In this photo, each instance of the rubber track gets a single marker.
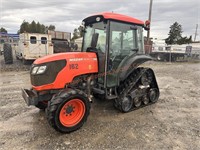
(127, 85)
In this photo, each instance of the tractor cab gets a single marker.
(116, 39)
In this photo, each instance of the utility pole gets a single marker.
(195, 35)
(150, 10)
(148, 32)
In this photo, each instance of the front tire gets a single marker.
(68, 110)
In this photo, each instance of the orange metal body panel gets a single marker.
(78, 63)
(118, 17)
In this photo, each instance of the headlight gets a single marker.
(34, 70)
(38, 70)
(41, 69)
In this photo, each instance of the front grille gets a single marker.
(49, 76)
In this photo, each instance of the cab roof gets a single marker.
(117, 17)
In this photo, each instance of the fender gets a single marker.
(130, 63)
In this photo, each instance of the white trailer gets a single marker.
(162, 51)
(33, 45)
(195, 50)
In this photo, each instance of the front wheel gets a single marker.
(68, 110)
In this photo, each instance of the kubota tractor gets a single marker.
(107, 67)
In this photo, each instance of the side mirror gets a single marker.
(147, 25)
(95, 37)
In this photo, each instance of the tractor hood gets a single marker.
(57, 70)
(70, 56)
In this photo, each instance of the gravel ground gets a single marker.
(172, 123)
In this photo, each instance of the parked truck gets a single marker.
(60, 40)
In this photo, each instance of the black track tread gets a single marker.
(56, 101)
(8, 57)
(129, 83)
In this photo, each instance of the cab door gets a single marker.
(100, 31)
(122, 46)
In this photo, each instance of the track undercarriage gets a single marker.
(138, 90)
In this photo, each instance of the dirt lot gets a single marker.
(172, 123)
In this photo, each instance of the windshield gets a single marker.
(100, 29)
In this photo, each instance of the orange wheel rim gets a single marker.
(72, 113)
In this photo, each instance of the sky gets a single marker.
(68, 14)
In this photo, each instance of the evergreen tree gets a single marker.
(175, 35)
(78, 32)
(38, 27)
(24, 27)
(80, 29)
(75, 34)
(52, 28)
(42, 28)
(3, 30)
(34, 27)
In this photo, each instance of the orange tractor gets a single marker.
(65, 84)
